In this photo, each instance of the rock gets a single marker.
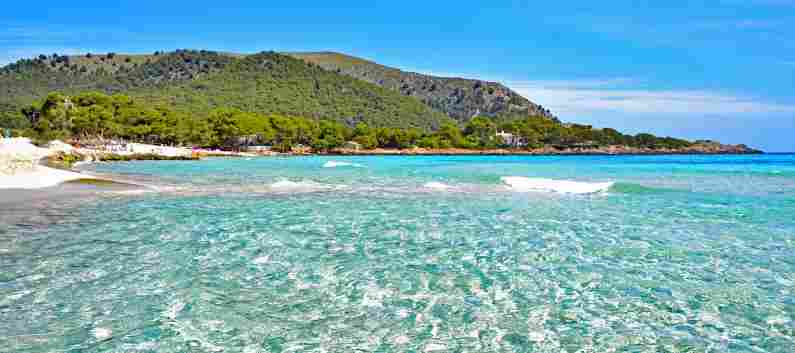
(459, 98)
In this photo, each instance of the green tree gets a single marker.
(331, 134)
(645, 140)
(225, 126)
(482, 132)
(450, 135)
(365, 136)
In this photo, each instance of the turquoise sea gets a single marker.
(410, 254)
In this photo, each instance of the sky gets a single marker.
(722, 70)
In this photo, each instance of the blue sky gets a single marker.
(720, 69)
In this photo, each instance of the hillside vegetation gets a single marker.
(196, 82)
(91, 116)
(459, 98)
(206, 98)
(273, 83)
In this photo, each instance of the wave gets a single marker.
(524, 184)
(335, 164)
(101, 333)
(436, 185)
(301, 186)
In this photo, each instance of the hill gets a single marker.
(459, 98)
(198, 81)
(319, 99)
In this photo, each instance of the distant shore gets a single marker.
(551, 151)
(20, 169)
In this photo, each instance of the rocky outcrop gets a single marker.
(459, 98)
(712, 147)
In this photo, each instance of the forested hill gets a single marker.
(209, 98)
(459, 98)
(197, 82)
(203, 79)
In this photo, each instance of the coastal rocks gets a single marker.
(64, 160)
(710, 147)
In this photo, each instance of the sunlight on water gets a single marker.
(427, 254)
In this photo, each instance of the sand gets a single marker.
(38, 177)
(20, 169)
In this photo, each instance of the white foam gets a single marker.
(291, 185)
(524, 184)
(434, 347)
(437, 185)
(536, 336)
(174, 309)
(262, 260)
(102, 333)
(300, 186)
(335, 164)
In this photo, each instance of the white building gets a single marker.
(259, 148)
(510, 139)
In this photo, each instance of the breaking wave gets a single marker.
(335, 164)
(436, 185)
(524, 184)
(301, 186)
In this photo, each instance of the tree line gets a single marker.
(94, 115)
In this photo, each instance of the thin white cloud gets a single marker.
(572, 98)
(568, 98)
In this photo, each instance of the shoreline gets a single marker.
(39, 177)
(513, 153)
(25, 167)
(33, 167)
(545, 151)
(612, 150)
(44, 176)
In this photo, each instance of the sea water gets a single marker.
(410, 254)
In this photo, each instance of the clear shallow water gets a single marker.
(397, 254)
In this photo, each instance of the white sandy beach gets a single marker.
(38, 177)
(20, 169)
